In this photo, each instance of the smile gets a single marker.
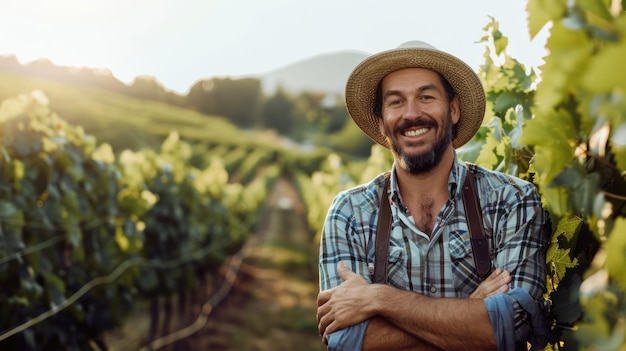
(416, 132)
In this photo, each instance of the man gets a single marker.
(422, 104)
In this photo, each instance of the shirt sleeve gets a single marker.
(343, 239)
(521, 235)
(349, 339)
(502, 309)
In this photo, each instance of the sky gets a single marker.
(181, 41)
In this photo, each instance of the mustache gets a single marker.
(418, 123)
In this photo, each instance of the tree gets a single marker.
(277, 112)
(239, 100)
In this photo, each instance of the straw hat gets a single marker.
(363, 83)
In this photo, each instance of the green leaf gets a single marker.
(543, 11)
(596, 326)
(55, 288)
(488, 154)
(554, 138)
(565, 299)
(7, 210)
(563, 240)
(500, 42)
(601, 76)
(148, 280)
(616, 253)
(619, 151)
(570, 51)
(596, 7)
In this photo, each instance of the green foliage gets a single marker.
(351, 140)
(277, 112)
(84, 234)
(123, 122)
(58, 193)
(579, 110)
(239, 100)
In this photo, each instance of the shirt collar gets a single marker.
(457, 177)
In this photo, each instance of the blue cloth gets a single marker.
(349, 339)
(501, 312)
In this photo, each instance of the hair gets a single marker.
(378, 102)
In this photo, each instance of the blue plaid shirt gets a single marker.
(442, 264)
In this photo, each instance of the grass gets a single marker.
(122, 121)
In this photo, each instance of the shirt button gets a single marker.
(433, 289)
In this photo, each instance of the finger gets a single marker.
(331, 328)
(344, 272)
(495, 274)
(324, 296)
(506, 276)
(323, 323)
(321, 312)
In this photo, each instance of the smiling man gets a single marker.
(422, 104)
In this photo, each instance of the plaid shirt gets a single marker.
(441, 265)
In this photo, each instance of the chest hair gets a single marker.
(424, 215)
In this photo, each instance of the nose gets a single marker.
(413, 109)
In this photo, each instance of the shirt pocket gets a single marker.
(462, 259)
(397, 273)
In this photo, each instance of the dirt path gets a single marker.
(272, 304)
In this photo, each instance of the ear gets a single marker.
(381, 126)
(455, 111)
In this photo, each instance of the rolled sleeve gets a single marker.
(349, 339)
(503, 308)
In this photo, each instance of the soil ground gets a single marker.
(271, 305)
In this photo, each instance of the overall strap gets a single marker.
(383, 230)
(480, 247)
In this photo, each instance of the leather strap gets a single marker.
(383, 230)
(473, 213)
(480, 247)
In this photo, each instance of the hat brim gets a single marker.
(365, 78)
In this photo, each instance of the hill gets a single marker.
(123, 121)
(324, 73)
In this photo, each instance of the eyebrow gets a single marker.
(421, 89)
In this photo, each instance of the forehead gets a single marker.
(412, 76)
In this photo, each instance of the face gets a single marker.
(417, 118)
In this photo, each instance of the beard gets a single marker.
(429, 159)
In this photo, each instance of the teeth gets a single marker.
(416, 132)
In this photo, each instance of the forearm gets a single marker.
(382, 335)
(451, 324)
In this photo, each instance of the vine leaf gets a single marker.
(598, 79)
(558, 254)
(541, 12)
(616, 252)
(553, 137)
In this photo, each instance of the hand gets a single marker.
(497, 282)
(344, 305)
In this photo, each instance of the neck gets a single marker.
(432, 184)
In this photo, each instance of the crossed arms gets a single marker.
(458, 324)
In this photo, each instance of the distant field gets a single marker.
(122, 121)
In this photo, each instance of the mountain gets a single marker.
(325, 72)
(321, 73)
